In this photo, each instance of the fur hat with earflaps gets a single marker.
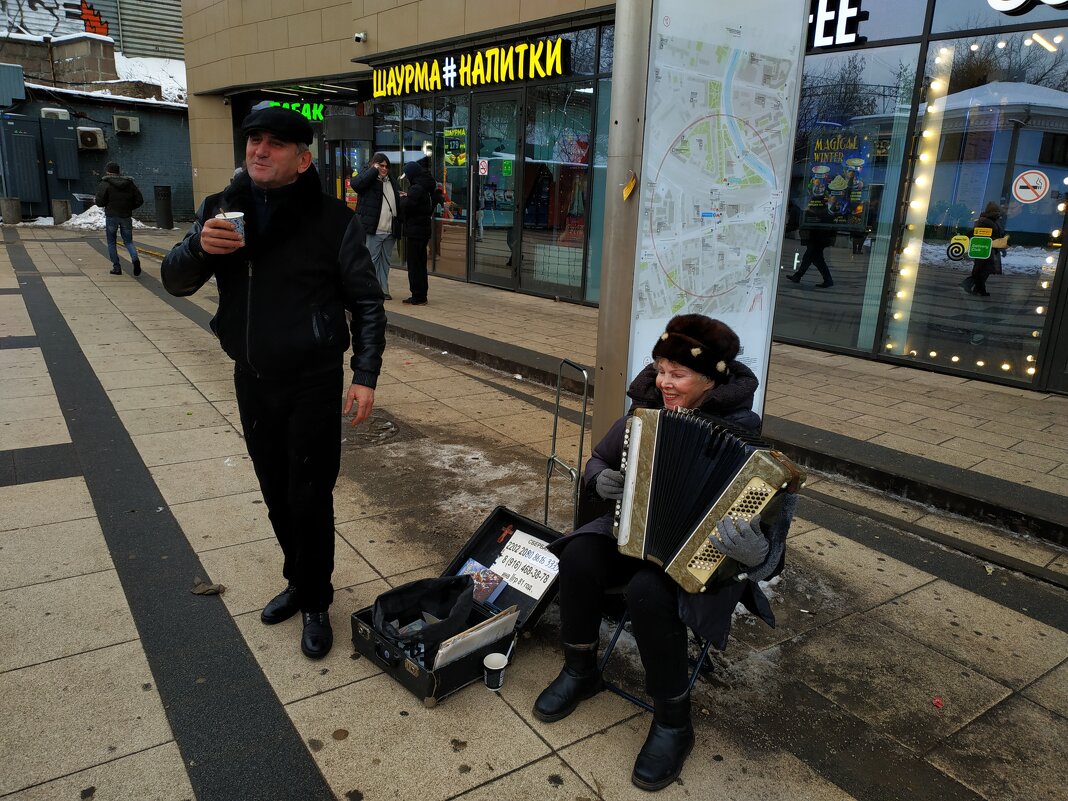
(700, 343)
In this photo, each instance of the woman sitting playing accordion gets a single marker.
(693, 368)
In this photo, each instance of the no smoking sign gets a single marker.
(1030, 186)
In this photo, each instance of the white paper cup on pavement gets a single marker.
(493, 666)
(235, 217)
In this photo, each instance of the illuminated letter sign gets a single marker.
(313, 112)
(1016, 7)
(833, 23)
(544, 58)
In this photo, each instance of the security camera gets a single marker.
(359, 38)
(226, 101)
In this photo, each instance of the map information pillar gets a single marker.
(720, 115)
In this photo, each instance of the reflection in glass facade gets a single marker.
(928, 195)
(841, 200)
(989, 136)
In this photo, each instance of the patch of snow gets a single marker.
(40, 221)
(70, 37)
(1016, 260)
(92, 219)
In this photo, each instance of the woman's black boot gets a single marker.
(669, 742)
(580, 679)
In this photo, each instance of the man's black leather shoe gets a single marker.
(137, 268)
(318, 637)
(116, 270)
(282, 607)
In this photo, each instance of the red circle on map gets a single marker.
(659, 170)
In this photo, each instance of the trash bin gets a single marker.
(85, 202)
(164, 215)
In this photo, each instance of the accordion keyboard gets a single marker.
(682, 474)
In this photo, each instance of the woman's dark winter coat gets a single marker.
(707, 613)
(418, 205)
(368, 186)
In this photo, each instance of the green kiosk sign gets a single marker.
(979, 247)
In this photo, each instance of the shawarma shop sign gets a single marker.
(544, 58)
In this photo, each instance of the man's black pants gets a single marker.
(415, 253)
(292, 431)
(591, 564)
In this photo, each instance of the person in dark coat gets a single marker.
(118, 196)
(417, 207)
(993, 218)
(285, 284)
(819, 239)
(379, 213)
(694, 367)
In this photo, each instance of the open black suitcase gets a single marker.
(485, 547)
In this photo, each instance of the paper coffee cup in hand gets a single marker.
(235, 217)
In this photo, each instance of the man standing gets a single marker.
(118, 196)
(378, 211)
(285, 283)
(416, 207)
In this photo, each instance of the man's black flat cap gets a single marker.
(289, 126)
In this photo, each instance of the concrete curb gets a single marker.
(987, 499)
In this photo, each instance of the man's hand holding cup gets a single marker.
(224, 233)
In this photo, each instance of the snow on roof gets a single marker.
(70, 37)
(999, 93)
(167, 73)
(104, 94)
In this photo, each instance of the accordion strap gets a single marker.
(796, 479)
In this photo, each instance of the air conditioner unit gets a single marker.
(91, 139)
(124, 124)
(55, 114)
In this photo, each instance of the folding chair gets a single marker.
(695, 671)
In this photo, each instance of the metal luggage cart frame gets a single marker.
(554, 462)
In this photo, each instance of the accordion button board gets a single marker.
(683, 473)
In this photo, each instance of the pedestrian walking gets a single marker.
(379, 212)
(118, 196)
(417, 207)
(694, 367)
(287, 272)
(819, 239)
(992, 218)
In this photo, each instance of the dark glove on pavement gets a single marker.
(609, 484)
(741, 541)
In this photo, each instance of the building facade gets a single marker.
(914, 116)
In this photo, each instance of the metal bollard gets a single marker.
(60, 211)
(164, 215)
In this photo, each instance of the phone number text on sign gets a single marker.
(526, 565)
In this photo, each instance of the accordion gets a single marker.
(683, 472)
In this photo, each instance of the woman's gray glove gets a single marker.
(743, 542)
(609, 484)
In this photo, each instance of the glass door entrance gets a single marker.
(494, 181)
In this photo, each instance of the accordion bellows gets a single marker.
(683, 472)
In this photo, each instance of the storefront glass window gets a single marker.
(556, 188)
(388, 132)
(965, 15)
(583, 51)
(990, 163)
(608, 39)
(853, 116)
(451, 171)
(597, 202)
(886, 19)
(418, 129)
